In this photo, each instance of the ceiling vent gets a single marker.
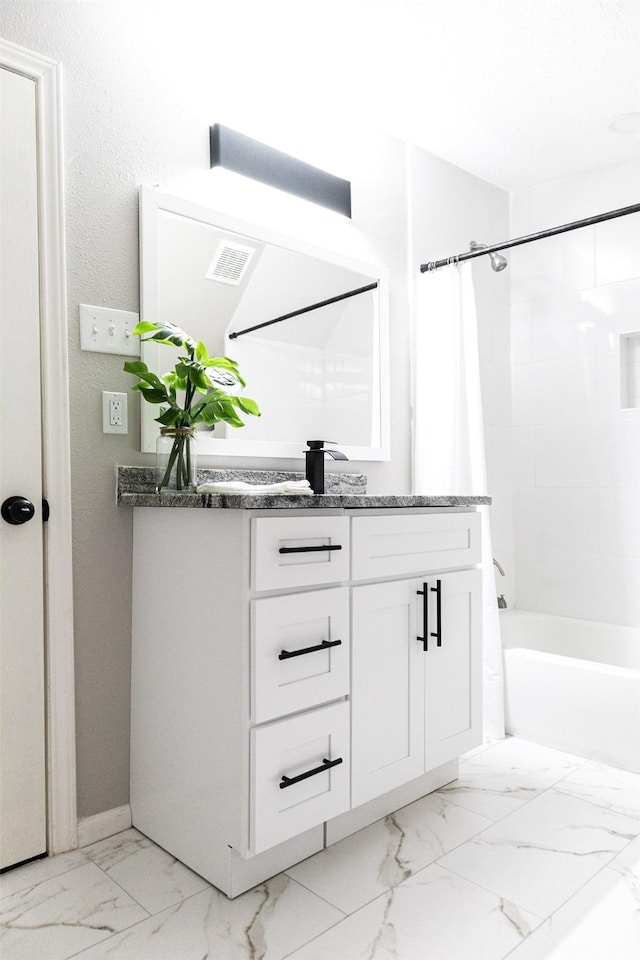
(230, 262)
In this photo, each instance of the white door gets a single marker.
(453, 666)
(22, 704)
(387, 718)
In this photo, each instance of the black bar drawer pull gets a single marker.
(326, 765)
(330, 546)
(287, 654)
(438, 592)
(424, 639)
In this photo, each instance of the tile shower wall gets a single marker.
(576, 445)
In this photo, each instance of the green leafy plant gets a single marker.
(194, 391)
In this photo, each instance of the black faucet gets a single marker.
(314, 459)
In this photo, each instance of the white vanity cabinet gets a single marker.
(278, 685)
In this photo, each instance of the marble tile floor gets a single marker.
(531, 854)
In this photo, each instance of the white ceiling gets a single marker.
(516, 91)
(522, 91)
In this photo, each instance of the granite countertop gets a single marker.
(347, 491)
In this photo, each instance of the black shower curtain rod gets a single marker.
(296, 313)
(551, 232)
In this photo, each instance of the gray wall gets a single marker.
(143, 81)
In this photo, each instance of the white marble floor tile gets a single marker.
(483, 746)
(361, 867)
(154, 878)
(617, 790)
(543, 853)
(628, 862)
(59, 916)
(266, 923)
(564, 862)
(434, 915)
(601, 922)
(31, 874)
(507, 775)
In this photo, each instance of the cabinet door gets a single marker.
(387, 689)
(453, 665)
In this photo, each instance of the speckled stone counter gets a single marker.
(136, 488)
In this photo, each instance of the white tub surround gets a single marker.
(574, 685)
(576, 442)
(297, 674)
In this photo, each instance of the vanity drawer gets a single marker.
(307, 747)
(398, 545)
(299, 652)
(298, 551)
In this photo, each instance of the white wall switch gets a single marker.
(104, 330)
(114, 412)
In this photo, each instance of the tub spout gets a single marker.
(502, 603)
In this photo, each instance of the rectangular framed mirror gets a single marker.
(319, 374)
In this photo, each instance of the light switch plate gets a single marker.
(104, 330)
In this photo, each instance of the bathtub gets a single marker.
(573, 685)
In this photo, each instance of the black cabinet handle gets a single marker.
(287, 654)
(326, 765)
(330, 546)
(424, 639)
(438, 592)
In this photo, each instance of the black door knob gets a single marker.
(17, 510)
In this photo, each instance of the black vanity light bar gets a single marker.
(237, 152)
(313, 306)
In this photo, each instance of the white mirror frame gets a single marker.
(152, 203)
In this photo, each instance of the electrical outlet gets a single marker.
(114, 412)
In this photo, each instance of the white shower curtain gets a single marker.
(448, 449)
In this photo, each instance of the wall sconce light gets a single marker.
(234, 151)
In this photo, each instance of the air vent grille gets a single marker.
(230, 262)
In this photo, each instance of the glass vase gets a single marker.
(176, 456)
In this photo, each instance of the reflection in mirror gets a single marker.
(321, 373)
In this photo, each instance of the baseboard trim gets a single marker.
(103, 825)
